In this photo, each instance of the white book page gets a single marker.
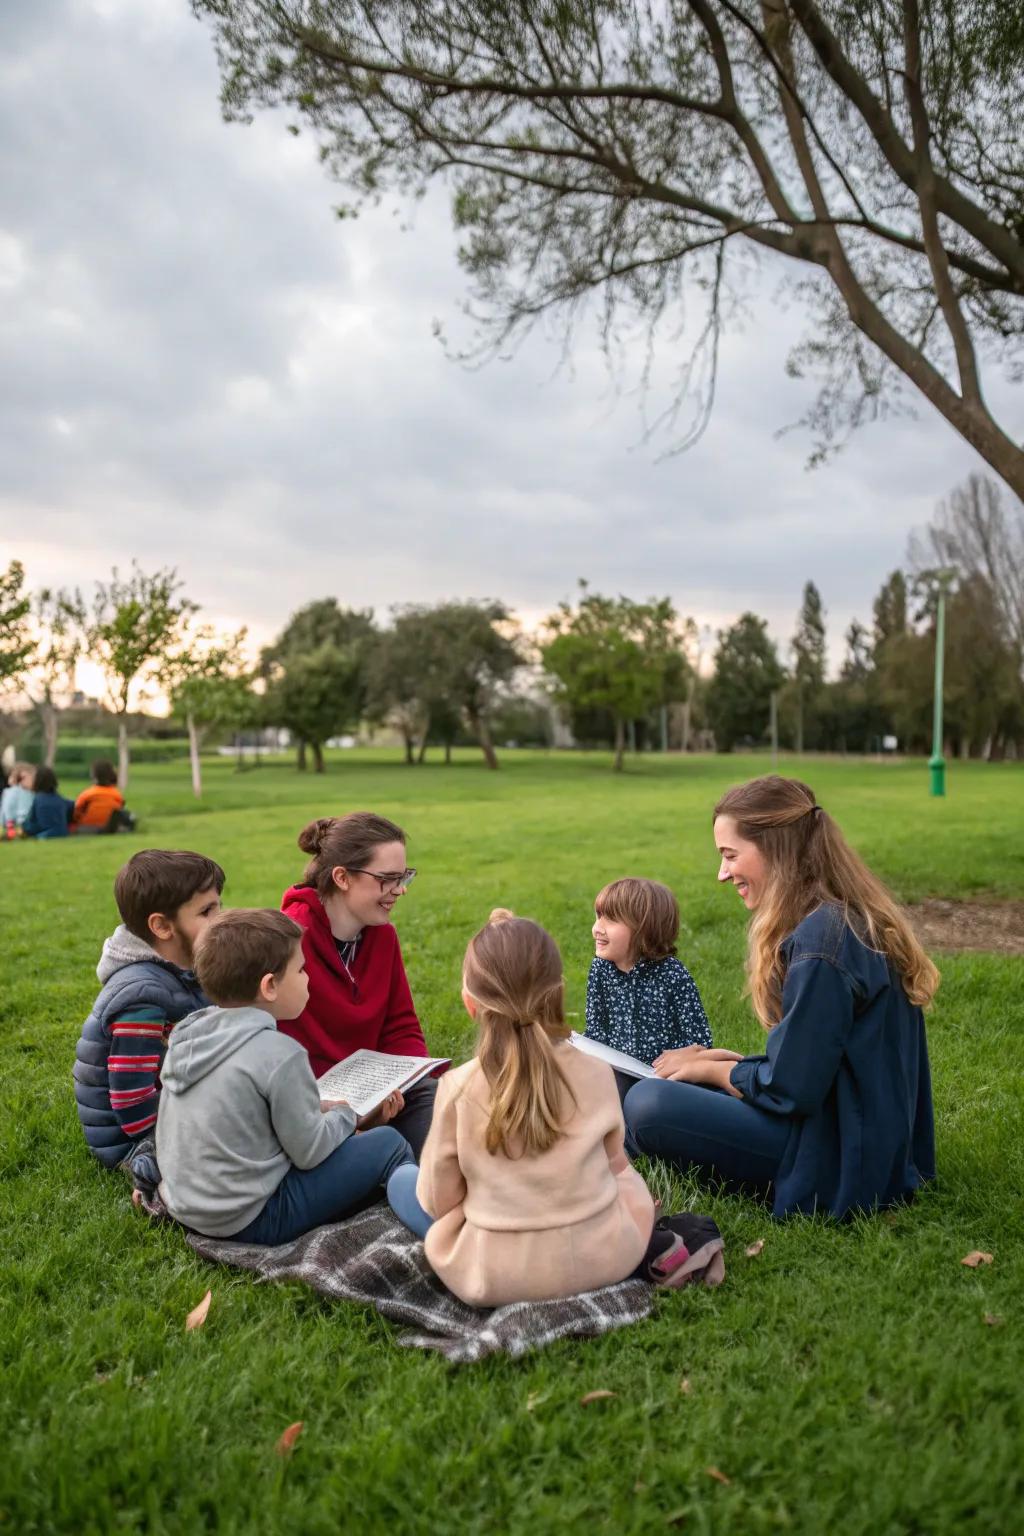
(617, 1059)
(365, 1078)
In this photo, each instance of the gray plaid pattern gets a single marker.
(373, 1259)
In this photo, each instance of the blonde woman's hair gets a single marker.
(513, 972)
(809, 862)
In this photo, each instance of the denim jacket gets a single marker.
(847, 1063)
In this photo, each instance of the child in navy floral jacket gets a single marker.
(640, 998)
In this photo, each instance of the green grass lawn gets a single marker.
(845, 1380)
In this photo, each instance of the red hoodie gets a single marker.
(370, 1006)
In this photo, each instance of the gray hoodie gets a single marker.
(239, 1108)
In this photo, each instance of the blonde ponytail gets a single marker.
(513, 972)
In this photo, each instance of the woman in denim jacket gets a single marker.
(836, 1114)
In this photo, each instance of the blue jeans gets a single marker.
(685, 1123)
(337, 1187)
(402, 1200)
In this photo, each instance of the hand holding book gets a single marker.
(367, 1078)
(386, 1111)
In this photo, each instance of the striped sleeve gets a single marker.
(137, 1045)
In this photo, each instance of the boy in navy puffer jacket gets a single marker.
(165, 900)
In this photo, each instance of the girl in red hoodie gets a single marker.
(358, 992)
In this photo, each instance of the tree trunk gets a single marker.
(799, 720)
(122, 754)
(409, 745)
(684, 745)
(620, 743)
(632, 735)
(193, 754)
(300, 757)
(51, 730)
(483, 736)
(448, 753)
(422, 756)
(318, 757)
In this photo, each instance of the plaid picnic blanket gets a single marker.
(372, 1258)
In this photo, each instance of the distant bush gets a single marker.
(75, 753)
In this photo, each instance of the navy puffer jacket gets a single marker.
(141, 998)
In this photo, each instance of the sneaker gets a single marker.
(692, 1251)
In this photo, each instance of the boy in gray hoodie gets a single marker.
(246, 1149)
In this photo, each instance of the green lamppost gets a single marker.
(937, 763)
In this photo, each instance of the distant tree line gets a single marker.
(601, 671)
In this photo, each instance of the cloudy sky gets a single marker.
(201, 367)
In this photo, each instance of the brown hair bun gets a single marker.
(311, 838)
(346, 841)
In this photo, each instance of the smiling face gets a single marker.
(359, 900)
(613, 941)
(743, 863)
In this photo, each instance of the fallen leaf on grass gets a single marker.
(976, 1257)
(755, 1248)
(197, 1317)
(684, 1387)
(718, 1476)
(993, 1320)
(286, 1444)
(595, 1397)
(534, 1400)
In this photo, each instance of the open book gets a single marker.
(617, 1059)
(365, 1078)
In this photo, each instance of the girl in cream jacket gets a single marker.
(524, 1191)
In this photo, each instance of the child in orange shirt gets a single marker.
(95, 806)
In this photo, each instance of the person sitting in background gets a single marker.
(16, 800)
(50, 813)
(96, 806)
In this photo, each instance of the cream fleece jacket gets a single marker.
(532, 1228)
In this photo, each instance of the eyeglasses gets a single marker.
(391, 881)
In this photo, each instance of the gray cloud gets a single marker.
(202, 367)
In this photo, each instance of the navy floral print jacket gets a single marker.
(654, 1007)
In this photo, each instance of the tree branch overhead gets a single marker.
(623, 147)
